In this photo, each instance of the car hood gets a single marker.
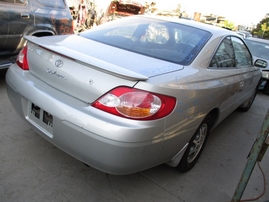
(87, 69)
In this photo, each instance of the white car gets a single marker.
(260, 50)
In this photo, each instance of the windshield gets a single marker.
(164, 40)
(258, 49)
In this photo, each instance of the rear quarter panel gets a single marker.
(198, 91)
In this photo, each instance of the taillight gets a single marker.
(22, 59)
(135, 104)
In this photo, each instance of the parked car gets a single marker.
(244, 34)
(83, 14)
(133, 93)
(19, 18)
(260, 49)
(118, 9)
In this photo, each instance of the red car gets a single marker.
(121, 8)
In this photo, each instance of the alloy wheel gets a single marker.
(198, 142)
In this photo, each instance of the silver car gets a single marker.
(260, 49)
(133, 93)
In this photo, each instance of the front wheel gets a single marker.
(196, 146)
(266, 88)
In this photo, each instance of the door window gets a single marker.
(232, 53)
(225, 56)
(52, 3)
(242, 55)
(21, 2)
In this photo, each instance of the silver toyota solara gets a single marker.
(133, 93)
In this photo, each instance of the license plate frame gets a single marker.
(41, 119)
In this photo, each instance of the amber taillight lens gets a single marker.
(135, 104)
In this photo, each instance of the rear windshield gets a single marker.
(163, 40)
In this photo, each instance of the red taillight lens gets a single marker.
(135, 104)
(22, 59)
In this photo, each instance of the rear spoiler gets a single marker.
(87, 60)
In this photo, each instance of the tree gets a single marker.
(262, 28)
(178, 8)
(228, 25)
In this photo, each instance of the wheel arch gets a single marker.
(197, 142)
(214, 113)
(40, 33)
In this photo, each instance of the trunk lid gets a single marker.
(86, 69)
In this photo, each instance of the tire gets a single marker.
(265, 90)
(196, 146)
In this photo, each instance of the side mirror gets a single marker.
(260, 63)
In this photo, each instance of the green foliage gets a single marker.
(229, 25)
(262, 29)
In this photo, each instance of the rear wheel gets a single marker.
(196, 146)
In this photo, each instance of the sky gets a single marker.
(244, 12)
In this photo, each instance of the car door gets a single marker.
(223, 65)
(20, 17)
(248, 74)
(4, 26)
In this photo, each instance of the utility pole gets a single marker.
(256, 154)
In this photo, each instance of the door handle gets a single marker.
(25, 15)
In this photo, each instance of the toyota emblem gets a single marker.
(59, 63)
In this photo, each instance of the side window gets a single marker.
(52, 3)
(242, 55)
(20, 2)
(225, 56)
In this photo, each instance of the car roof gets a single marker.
(257, 40)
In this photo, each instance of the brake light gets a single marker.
(22, 59)
(135, 104)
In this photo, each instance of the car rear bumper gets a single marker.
(108, 143)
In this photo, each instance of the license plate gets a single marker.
(41, 119)
(39, 113)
